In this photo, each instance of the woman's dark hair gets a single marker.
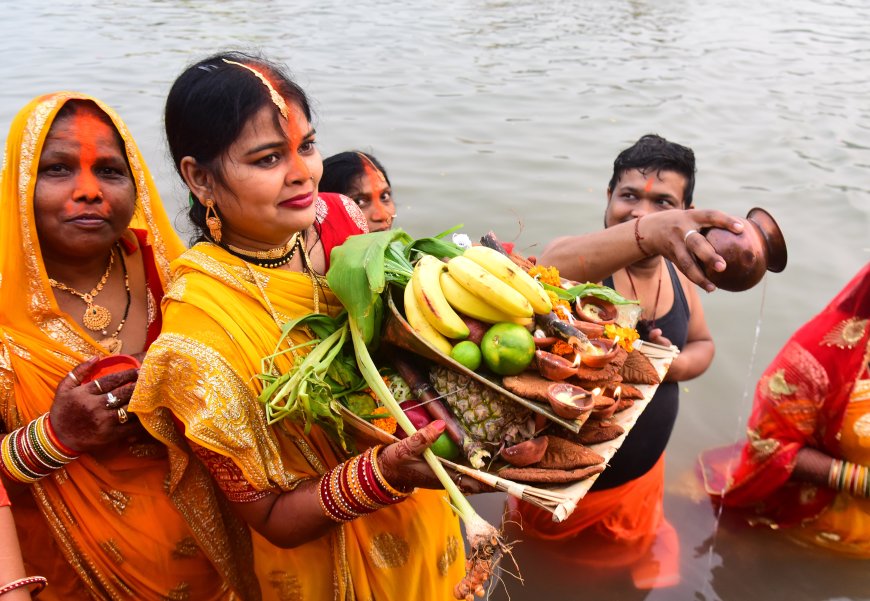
(342, 169)
(653, 153)
(211, 102)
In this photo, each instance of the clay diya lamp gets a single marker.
(603, 407)
(759, 248)
(527, 452)
(599, 352)
(542, 341)
(554, 367)
(595, 310)
(569, 401)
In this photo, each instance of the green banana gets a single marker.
(488, 287)
(426, 282)
(421, 325)
(511, 274)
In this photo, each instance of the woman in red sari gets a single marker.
(804, 467)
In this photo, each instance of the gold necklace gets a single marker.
(96, 317)
(113, 343)
(265, 255)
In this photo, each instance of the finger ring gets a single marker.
(111, 401)
(689, 233)
(73, 377)
(122, 415)
(97, 384)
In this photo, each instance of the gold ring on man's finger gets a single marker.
(97, 384)
(123, 416)
(73, 377)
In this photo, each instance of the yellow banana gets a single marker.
(465, 302)
(512, 275)
(421, 325)
(488, 287)
(426, 281)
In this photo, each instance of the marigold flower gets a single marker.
(387, 424)
(547, 275)
(627, 336)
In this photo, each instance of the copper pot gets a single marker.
(759, 248)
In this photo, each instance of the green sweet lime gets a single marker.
(445, 447)
(467, 353)
(507, 348)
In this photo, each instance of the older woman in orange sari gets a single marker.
(805, 467)
(85, 256)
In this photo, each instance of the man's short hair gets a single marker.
(653, 153)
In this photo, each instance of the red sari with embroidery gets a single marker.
(802, 400)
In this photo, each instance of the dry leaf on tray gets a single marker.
(623, 404)
(527, 385)
(545, 476)
(594, 432)
(566, 455)
(627, 391)
(638, 369)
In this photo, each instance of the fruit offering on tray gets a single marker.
(527, 332)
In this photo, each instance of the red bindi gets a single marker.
(649, 185)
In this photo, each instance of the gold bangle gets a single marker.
(380, 477)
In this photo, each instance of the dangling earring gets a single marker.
(212, 221)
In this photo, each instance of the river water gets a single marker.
(507, 116)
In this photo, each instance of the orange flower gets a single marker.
(547, 275)
(564, 349)
(387, 424)
(627, 336)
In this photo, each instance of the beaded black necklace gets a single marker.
(268, 263)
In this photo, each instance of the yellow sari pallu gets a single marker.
(102, 527)
(221, 317)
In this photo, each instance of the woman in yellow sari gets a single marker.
(79, 212)
(240, 133)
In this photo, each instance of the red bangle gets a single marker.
(638, 237)
(39, 581)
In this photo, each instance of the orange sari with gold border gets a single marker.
(103, 527)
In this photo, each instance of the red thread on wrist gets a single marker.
(638, 238)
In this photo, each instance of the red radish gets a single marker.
(416, 413)
(476, 328)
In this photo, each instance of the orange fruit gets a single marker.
(507, 348)
(467, 353)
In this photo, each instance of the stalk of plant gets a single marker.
(483, 538)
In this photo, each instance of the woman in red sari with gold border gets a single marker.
(804, 467)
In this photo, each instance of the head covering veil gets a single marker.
(39, 341)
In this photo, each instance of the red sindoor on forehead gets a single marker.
(88, 128)
(377, 181)
(649, 184)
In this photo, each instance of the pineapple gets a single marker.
(489, 419)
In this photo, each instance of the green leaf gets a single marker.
(436, 245)
(357, 276)
(590, 289)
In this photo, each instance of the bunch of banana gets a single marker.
(481, 283)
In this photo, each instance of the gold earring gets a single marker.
(212, 221)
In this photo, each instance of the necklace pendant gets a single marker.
(111, 345)
(96, 318)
